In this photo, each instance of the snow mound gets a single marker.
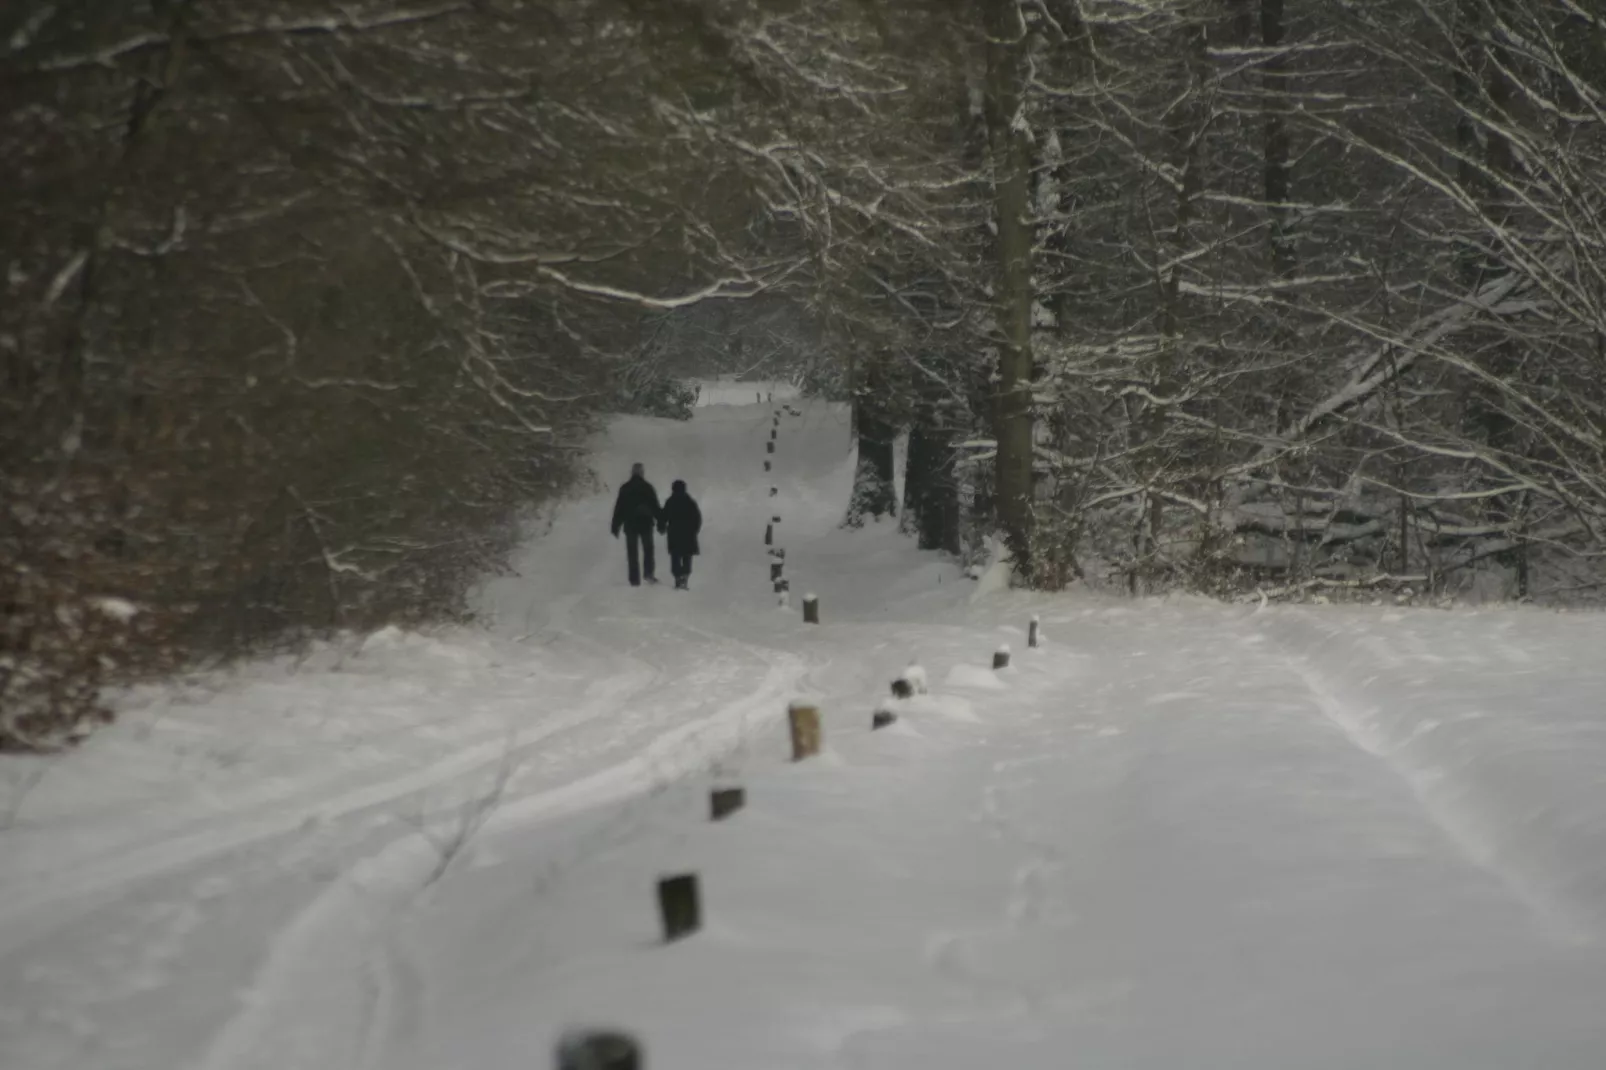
(915, 677)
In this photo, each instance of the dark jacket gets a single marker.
(682, 521)
(636, 509)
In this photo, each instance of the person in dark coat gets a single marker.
(636, 512)
(681, 522)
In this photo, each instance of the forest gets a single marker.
(309, 306)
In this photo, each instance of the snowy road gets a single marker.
(1181, 834)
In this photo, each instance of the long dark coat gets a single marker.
(636, 509)
(682, 522)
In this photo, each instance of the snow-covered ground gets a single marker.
(1179, 834)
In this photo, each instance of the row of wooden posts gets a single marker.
(779, 582)
(680, 909)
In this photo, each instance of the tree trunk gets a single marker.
(1275, 80)
(875, 493)
(1011, 165)
(930, 492)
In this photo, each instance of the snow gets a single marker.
(744, 392)
(1188, 834)
(118, 609)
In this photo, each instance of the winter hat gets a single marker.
(678, 486)
(638, 469)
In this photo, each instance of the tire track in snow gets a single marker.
(332, 953)
(194, 843)
(1455, 809)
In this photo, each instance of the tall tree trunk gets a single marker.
(1011, 164)
(1187, 129)
(1275, 81)
(930, 491)
(875, 492)
(1486, 168)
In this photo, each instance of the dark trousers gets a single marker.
(643, 539)
(679, 564)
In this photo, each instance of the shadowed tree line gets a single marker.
(306, 305)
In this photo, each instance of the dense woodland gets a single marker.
(308, 305)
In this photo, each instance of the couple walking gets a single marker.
(636, 512)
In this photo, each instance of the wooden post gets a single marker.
(599, 1050)
(758, 397)
(775, 433)
(775, 571)
(1001, 657)
(679, 906)
(722, 802)
(882, 718)
(1031, 633)
(769, 447)
(766, 466)
(811, 609)
(804, 720)
(776, 519)
(769, 534)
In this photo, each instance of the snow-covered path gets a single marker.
(1149, 845)
(1180, 834)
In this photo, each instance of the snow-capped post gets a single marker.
(1001, 657)
(881, 718)
(769, 534)
(804, 720)
(811, 609)
(775, 571)
(1031, 632)
(679, 906)
(722, 802)
(758, 397)
(598, 1049)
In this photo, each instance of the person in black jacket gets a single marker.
(681, 522)
(636, 511)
